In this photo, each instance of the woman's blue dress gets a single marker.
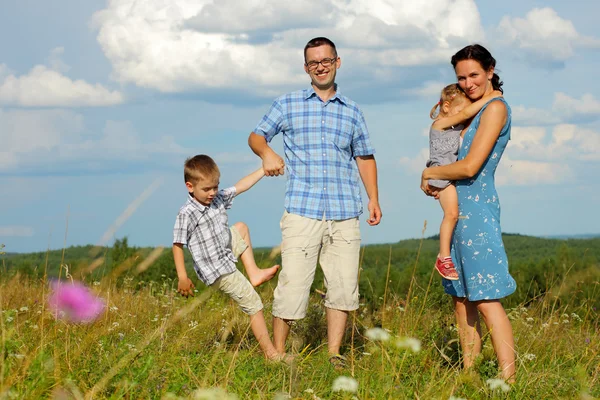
(477, 248)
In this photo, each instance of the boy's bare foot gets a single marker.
(263, 275)
(282, 358)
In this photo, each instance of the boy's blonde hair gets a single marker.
(199, 166)
(449, 94)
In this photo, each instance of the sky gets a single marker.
(102, 101)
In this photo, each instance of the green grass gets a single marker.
(153, 344)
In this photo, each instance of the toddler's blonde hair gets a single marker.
(449, 94)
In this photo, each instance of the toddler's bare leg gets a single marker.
(449, 202)
(256, 275)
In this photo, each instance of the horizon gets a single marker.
(581, 236)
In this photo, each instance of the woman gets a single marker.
(477, 248)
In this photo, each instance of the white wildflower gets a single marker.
(566, 321)
(9, 319)
(575, 317)
(498, 384)
(345, 384)
(282, 396)
(212, 394)
(23, 309)
(309, 390)
(529, 319)
(529, 356)
(121, 335)
(114, 308)
(377, 334)
(545, 325)
(34, 326)
(366, 354)
(155, 318)
(193, 324)
(456, 398)
(409, 343)
(96, 283)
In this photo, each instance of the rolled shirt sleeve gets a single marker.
(271, 123)
(361, 142)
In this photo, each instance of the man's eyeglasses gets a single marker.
(326, 62)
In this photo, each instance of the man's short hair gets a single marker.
(319, 41)
(200, 166)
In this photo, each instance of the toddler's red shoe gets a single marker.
(445, 267)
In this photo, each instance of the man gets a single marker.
(324, 137)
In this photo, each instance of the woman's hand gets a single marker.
(428, 190)
(425, 184)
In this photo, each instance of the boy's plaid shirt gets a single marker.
(321, 140)
(205, 231)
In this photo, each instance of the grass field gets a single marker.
(150, 343)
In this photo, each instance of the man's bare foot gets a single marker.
(263, 275)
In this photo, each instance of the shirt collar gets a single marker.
(196, 204)
(310, 92)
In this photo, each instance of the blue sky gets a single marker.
(101, 102)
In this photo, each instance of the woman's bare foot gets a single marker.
(263, 275)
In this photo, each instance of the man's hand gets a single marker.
(185, 287)
(374, 213)
(273, 164)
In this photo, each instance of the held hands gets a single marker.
(374, 213)
(185, 287)
(273, 164)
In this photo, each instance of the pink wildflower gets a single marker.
(74, 302)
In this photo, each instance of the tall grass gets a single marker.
(151, 343)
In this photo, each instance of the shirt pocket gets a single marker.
(342, 133)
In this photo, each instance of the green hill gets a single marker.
(539, 265)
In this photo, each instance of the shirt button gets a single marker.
(324, 188)
(323, 121)
(323, 154)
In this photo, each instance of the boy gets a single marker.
(202, 225)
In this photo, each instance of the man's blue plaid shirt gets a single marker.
(321, 140)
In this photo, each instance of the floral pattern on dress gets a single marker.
(477, 248)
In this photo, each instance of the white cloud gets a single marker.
(48, 87)
(564, 109)
(16, 231)
(565, 142)
(417, 163)
(46, 140)
(524, 172)
(570, 107)
(543, 36)
(256, 45)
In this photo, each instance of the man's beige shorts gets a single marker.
(336, 244)
(235, 285)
